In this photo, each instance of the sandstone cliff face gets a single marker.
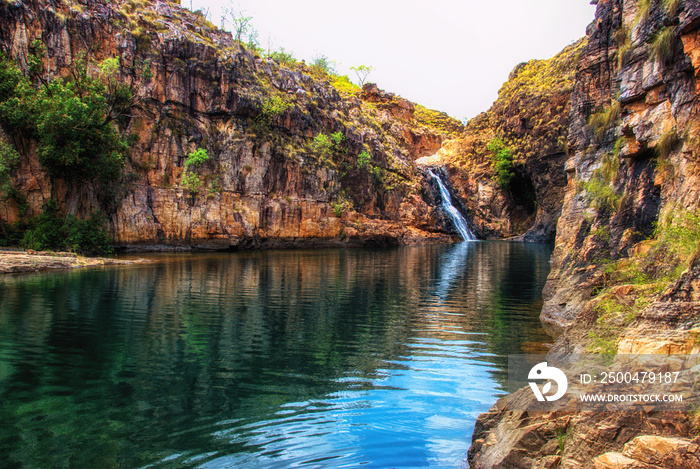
(265, 184)
(531, 116)
(624, 275)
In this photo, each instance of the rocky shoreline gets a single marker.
(26, 261)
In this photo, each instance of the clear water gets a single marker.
(326, 358)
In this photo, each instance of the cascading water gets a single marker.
(457, 218)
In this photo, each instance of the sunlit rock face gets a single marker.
(633, 166)
(266, 182)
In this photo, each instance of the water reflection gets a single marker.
(327, 358)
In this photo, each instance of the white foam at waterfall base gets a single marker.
(457, 218)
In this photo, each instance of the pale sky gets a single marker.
(449, 55)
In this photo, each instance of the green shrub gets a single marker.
(338, 208)
(270, 108)
(679, 234)
(502, 162)
(600, 191)
(191, 182)
(602, 120)
(343, 84)
(49, 231)
(283, 57)
(363, 160)
(322, 144)
(197, 158)
(323, 65)
(601, 194)
(8, 159)
(325, 146)
(337, 138)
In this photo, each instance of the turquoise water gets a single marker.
(325, 358)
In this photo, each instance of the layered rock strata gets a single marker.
(266, 183)
(625, 274)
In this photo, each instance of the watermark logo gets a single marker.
(550, 373)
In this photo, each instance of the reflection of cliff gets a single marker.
(165, 352)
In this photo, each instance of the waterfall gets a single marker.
(457, 218)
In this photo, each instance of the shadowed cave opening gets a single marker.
(523, 193)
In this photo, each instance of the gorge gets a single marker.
(222, 148)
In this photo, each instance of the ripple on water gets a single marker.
(336, 358)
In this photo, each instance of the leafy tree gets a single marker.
(70, 118)
(283, 57)
(191, 181)
(72, 122)
(326, 145)
(362, 72)
(322, 144)
(323, 64)
(502, 161)
(197, 158)
(241, 25)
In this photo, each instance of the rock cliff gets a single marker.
(625, 268)
(268, 181)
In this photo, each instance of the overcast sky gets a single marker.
(449, 55)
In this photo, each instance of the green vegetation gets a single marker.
(8, 160)
(502, 161)
(343, 84)
(340, 207)
(671, 6)
(283, 57)
(362, 72)
(197, 158)
(644, 8)
(363, 160)
(323, 64)
(191, 181)
(322, 145)
(602, 120)
(663, 43)
(49, 231)
(600, 191)
(624, 45)
(674, 247)
(437, 120)
(270, 108)
(668, 142)
(562, 436)
(325, 146)
(71, 119)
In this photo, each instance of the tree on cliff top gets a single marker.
(362, 72)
